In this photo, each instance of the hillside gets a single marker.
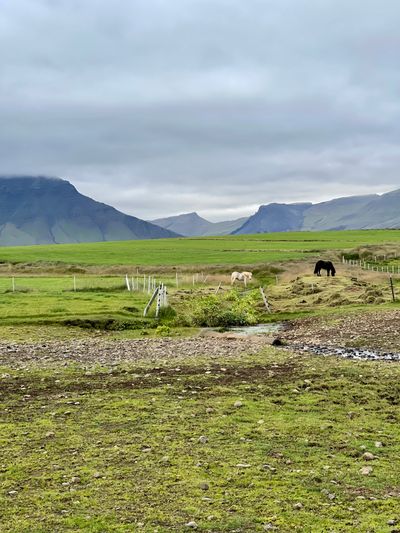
(192, 225)
(354, 212)
(43, 210)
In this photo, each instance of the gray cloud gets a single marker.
(167, 106)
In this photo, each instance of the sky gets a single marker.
(161, 107)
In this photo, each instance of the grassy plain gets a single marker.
(230, 250)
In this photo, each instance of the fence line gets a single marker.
(364, 265)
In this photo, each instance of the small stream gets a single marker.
(259, 329)
(338, 351)
(347, 353)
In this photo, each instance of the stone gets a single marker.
(378, 444)
(366, 470)
(75, 479)
(368, 456)
(98, 475)
(392, 522)
(298, 506)
(203, 439)
(243, 465)
(204, 486)
(209, 410)
(191, 524)
(238, 403)
(50, 434)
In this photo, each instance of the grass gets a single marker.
(117, 449)
(228, 250)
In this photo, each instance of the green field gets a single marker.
(157, 442)
(240, 250)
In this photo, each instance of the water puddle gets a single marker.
(259, 329)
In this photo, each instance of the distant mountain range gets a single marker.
(354, 212)
(192, 225)
(42, 210)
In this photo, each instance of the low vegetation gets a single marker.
(239, 444)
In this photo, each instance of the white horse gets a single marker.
(241, 276)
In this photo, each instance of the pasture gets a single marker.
(112, 421)
(211, 251)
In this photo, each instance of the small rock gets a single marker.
(191, 524)
(269, 467)
(392, 522)
(97, 475)
(204, 486)
(368, 456)
(298, 506)
(50, 435)
(209, 410)
(268, 527)
(75, 479)
(238, 404)
(366, 470)
(277, 342)
(378, 444)
(243, 465)
(12, 492)
(203, 439)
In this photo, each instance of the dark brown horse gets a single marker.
(324, 265)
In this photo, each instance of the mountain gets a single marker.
(192, 225)
(43, 210)
(371, 211)
(275, 217)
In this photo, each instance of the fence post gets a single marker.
(392, 289)
(155, 293)
(265, 299)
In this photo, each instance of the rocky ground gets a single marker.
(378, 330)
(371, 332)
(100, 350)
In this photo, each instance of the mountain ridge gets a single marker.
(50, 210)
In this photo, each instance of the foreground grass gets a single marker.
(117, 449)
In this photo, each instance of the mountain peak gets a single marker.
(48, 210)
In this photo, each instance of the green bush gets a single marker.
(231, 310)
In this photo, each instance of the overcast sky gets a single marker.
(160, 107)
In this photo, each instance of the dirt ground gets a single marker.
(378, 330)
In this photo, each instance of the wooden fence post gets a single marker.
(265, 300)
(155, 293)
(392, 289)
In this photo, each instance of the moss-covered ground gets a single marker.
(153, 447)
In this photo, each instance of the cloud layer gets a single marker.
(166, 106)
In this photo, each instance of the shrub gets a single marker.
(213, 311)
